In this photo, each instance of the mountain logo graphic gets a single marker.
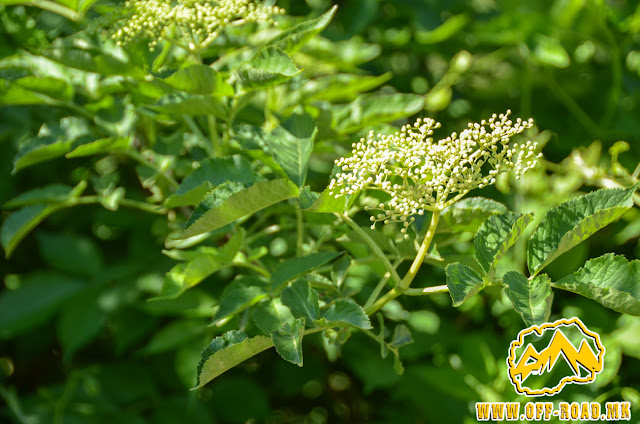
(584, 363)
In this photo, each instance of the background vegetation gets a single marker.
(79, 340)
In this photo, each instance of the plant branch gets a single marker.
(413, 271)
(373, 245)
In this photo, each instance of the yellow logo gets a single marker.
(525, 361)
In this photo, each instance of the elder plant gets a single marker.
(207, 104)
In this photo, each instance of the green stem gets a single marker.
(427, 290)
(197, 131)
(383, 281)
(56, 8)
(574, 108)
(213, 136)
(257, 268)
(413, 271)
(135, 204)
(373, 245)
(300, 232)
(138, 157)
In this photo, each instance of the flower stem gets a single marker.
(373, 245)
(376, 292)
(413, 271)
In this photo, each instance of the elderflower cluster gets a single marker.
(200, 20)
(420, 174)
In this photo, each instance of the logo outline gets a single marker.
(539, 330)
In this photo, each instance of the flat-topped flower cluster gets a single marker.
(200, 20)
(420, 174)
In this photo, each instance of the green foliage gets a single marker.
(165, 213)
(610, 280)
(531, 297)
(572, 222)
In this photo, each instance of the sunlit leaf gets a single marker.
(291, 145)
(469, 214)
(346, 312)
(531, 297)
(572, 222)
(610, 279)
(288, 341)
(227, 351)
(301, 299)
(291, 39)
(463, 282)
(211, 173)
(242, 203)
(496, 235)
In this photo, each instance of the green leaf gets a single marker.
(549, 51)
(531, 298)
(214, 199)
(52, 142)
(236, 297)
(610, 279)
(346, 312)
(100, 146)
(572, 222)
(34, 302)
(301, 299)
(268, 67)
(291, 39)
(20, 223)
(173, 335)
(71, 253)
(111, 60)
(401, 336)
(341, 87)
(211, 173)
(463, 282)
(53, 193)
(288, 341)
(271, 315)
(33, 90)
(375, 109)
(201, 263)
(291, 268)
(190, 104)
(469, 214)
(325, 202)
(200, 79)
(80, 322)
(227, 351)
(291, 145)
(448, 29)
(496, 235)
(242, 203)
